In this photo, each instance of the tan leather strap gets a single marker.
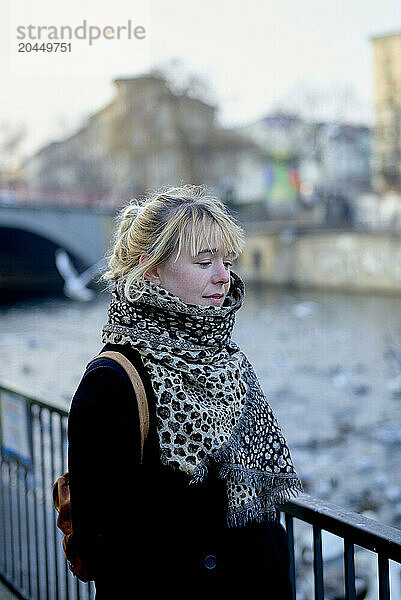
(137, 384)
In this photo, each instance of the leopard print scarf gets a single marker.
(211, 410)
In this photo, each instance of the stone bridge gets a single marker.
(348, 260)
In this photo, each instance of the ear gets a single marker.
(153, 273)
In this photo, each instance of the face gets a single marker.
(202, 280)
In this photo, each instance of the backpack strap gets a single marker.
(139, 389)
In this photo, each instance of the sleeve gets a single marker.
(103, 450)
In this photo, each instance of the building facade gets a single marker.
(387, 139)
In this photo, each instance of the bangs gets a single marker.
(203, 232)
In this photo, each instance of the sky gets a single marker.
(255, 55)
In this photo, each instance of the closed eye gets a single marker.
(228, 264)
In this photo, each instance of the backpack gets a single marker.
(61, 488)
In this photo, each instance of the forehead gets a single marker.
(206, 237)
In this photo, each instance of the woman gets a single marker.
(199, 513)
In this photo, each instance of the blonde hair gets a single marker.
(177, 218)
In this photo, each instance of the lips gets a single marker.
(215, 296)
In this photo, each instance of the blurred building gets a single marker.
(145, 138)
(278, 138)
(149, 136)
(387, 144)
(344, 153)
(305, 160)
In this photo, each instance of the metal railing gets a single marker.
(33, 454)
(356, 531)
(33, 436)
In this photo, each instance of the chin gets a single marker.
(213, 301)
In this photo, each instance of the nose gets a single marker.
(221, 274)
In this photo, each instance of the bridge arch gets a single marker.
(85, 234)
(27, 265)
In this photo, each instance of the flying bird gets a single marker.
(75, 283)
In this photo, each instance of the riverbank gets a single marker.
(342, 260)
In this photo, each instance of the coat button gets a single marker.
(210, 561)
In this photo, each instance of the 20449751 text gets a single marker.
(45, 47)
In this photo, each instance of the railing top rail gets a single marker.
(54, 405)
(351, 526)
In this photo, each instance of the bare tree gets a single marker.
(11, 138)
(339, 103)
(183, 82)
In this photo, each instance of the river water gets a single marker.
(323, 361)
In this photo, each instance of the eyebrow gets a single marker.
(212, 251)
(208, 251)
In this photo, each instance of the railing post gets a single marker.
(384, 578)
(349, 570)
(34, 419)
(28, 535)
(53, 475)
(11, 518)
(318, 563)
(44, 495)
(19, 526)
(289, 522)
(3, 554)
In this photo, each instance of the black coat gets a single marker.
(141, 526)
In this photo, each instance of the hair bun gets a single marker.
(132, 210)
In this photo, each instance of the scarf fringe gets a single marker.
(275, 489)
(260, 479)
(264, 481)
(264, 507)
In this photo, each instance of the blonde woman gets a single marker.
(199, 514)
